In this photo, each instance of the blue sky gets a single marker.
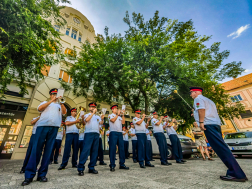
(229, 22)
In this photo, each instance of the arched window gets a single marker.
(68, 31)
(74, 34)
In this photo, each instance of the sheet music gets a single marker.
(123, 107)
(104, 111)
(60, 92)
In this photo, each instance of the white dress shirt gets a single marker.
(81, 134)
(71, 128)
(93, 125)
(51, 116)
(117, 125)
(60, 133)
(211, 114)
(35, 125)
(148, 136)
(170, 130)
(133, 131)
(125, 137)
(139, 128)
(157, 128)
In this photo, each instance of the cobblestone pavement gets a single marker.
(194, 174)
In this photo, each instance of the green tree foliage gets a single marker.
(149, 62)
(28, 40)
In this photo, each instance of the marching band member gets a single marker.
(91, 140)
(148, 145)
(126, 142)
(132, 134)
(47, 128)
(140, 127)
(158, 130)
(57, 144)
(34, 122)
(173, 136)
(72, 140)
(100, 149)
(206, 116)
(116, 138)
(81, 138)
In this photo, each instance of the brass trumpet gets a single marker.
(62, 100)
(126, 113)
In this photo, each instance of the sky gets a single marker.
(228, 22)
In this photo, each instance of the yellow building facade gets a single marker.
(17, 111)
(240, 89)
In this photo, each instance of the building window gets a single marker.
(236, 98)
(74, 34)
(64, 76)
(45, 70)
(67, 31)
(56, 27)
(80, 36)
(248, 114)
(26, 137)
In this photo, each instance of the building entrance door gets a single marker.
(5, 147)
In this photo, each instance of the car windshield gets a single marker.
(239, 135)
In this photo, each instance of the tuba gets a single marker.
(82, 110)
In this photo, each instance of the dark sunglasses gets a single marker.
(138, 113)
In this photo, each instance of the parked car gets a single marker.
(240, 143)
(188, 146)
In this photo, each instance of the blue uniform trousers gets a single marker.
(162, 146)
(116, 138)
(176, 147)
(28, 153)
(134, 149)
(55, 151)
(141, 148)
(80, 145)
(90, 147)
(214, 137)
(100, 151)
(72, 140)
(44, 135)
(149, 149)
(126, 148)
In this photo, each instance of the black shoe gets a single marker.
(164, 164)
(56, 162)
(27, 181)
(152, 160)
(81, 173)
(115, 159)
(169, 163)
(183, 161)
(124, 167)
(126, 158)
(149, 165)
(180, 162)
(93, 171)
(112, 169)
(95, 164)
(22, 171)
(246, 178)
(102, 163)
(42, 179)
(134, 161)
(61, 168)
(74, 166)
(142, 166)
(230, 178)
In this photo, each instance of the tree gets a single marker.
(28, 40)
(151, 60)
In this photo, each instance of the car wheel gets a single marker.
(187, 156)
(170, 155)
